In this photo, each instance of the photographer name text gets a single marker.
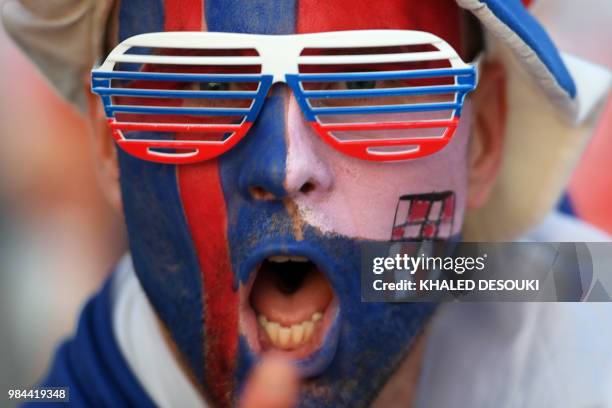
(456, 265)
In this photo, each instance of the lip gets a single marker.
(317, 361)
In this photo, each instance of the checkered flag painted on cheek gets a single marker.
(424, 217)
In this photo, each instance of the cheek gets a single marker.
(364, 196)
(163, 253)
(205, 212)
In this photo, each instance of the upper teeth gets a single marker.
(283, 258)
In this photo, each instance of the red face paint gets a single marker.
(439, 17)
(207, 223)
(200, 186)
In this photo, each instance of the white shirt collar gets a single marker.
(143, 346)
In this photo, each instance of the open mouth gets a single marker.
(290, 307)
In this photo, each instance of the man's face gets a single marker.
(258, 249)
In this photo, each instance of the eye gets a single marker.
(214, 86)
(360, 84)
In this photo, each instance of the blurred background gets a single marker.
(59, 237)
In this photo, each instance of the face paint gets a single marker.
(163, 252)
(201, 235)
(358, 204)
(424, 217)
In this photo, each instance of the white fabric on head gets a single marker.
(525, 55)
(540, 149)
(64, 38)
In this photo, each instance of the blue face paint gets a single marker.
(350, 370)
(261, 155)
(353, 368)
(162, 250)
(253, 16)
(140, 16)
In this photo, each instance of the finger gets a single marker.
(272, 384)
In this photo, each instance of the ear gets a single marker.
(105, 153)
(489, 129)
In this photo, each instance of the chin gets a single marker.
(302, 299)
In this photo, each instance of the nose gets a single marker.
(278, 156)
(308, 170)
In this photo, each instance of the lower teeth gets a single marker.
(289, 337)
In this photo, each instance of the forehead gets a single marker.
(440, 17)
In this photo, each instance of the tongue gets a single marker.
(290, 292)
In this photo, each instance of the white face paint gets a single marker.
(358, 198)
